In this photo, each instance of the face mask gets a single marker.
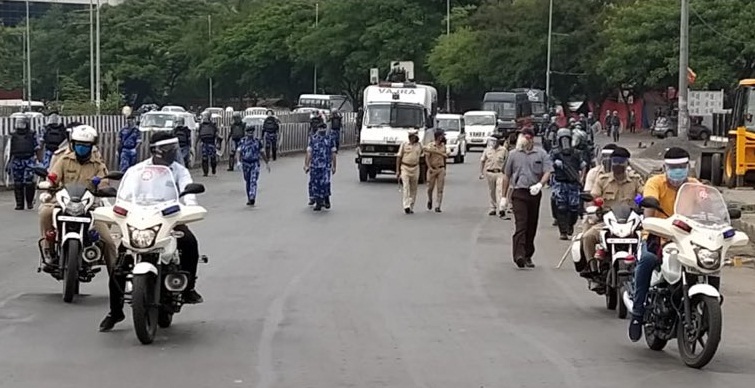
(677, 175)
(619, 170)
(166, 157)
(82, 150)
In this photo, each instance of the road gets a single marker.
(358, 296)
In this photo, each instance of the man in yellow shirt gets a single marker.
(664, 188)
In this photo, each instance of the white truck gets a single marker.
(390, 111)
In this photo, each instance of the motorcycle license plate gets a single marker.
(366, 160)
(622, 241)
(74, 219)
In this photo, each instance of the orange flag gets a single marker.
(691, 76)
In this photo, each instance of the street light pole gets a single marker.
(91, 51)
(209, 40)
(98, 97)
(683, 66)
(448, 34)
(317, 21)
(28, 56)
(548, 69)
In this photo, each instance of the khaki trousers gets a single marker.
(409, 179)
(436, 178)
(109, 253)
(495, 189)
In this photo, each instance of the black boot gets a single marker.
(18, 190)
(30, 191)
(231, 158)
(205, 167)
(214, 165)
(563, 225)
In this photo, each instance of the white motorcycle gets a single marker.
(73, 245)
(146, 211)
(611, 270)
(683, 300)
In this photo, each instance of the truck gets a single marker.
(391, 109)
(511, 108)
(538, 106)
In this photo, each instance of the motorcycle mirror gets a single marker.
(107, 192)
(114, 175)
(735, 214)
(193, 188)
(40, 172)
(96, 181)
(586, 197)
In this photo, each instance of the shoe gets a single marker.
(252, 202)
(528, 263)
(249, 203)
(317, 207)
(110, 320)
(30, 191)
(492, 213)
(18, 191)
(411, 211)
(635, 329)
(520, 262)
(407, 210)
(437, 210)
(205, 174)
(429, 205)
(555, 223)
(563, 236)
(192, 297)
(326, 204)
(311, 202)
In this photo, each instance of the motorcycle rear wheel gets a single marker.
(707, 320)
(144, 308)
(71, 270)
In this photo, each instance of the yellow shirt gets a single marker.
(410, 153)
(494, 158)
(435, 159)
(657, 186)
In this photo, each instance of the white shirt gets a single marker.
(183, 178)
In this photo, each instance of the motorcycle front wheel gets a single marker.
(144, 308)
(71, 270)
(703, 335)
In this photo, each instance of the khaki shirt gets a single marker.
(64, 148)
(409, 154)
(616, 192)
(495, 158)
(435, 160)
(69, 170)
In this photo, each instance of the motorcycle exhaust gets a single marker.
(92, 254)
(176, 282)
(627, 301)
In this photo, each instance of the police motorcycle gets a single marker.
(146, 210)
(610, 272)
(683, 301)
(73, 245)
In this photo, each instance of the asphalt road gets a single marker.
(358, 296)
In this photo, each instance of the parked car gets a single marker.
(669, 126)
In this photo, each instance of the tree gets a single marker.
(11, 58)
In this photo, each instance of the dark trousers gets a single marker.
(189, 248)
(526, 209)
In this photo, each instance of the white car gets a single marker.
(158, 121)
(479, 126)
(456, 139)
(256, 111)
(172, 108)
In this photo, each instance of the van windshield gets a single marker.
(395, 115)
(538, 108)
(453, 125)
(159, 120)
(505, 110)
(480, 120)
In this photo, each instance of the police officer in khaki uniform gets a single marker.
(618, 186)
(435, 157)
(407, 169)
(491, 168)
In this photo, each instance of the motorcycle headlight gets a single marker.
(74, 208)
(708, 259)
(143, 238)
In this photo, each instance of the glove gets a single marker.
(558, 163)
(239, 166)
(535, 189)
(504, 204)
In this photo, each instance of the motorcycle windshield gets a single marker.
(702, 204)
(148, 186)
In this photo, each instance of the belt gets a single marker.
(495, 170)
(408, 165)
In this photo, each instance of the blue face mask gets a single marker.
(82, 150)
(677, 175)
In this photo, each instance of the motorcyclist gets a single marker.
(569, 169)
(602, 166)
(53, 136)
(235, 135)
(78, 164)
(581, 142)
(183, 133)
(208, 135)
(616, 187)
(164, 148)
(664, 188)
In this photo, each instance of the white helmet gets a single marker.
(84, 134)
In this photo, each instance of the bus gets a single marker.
(327, 102)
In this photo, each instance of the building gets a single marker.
(13, 12)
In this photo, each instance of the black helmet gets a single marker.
(164, 148)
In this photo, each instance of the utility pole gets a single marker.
(448, 34)
(209, 40)
(98, 97)
(23, 66)
(682, 93)
(548, 66)
(28, 56)
(91, 51)
(317, 21)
